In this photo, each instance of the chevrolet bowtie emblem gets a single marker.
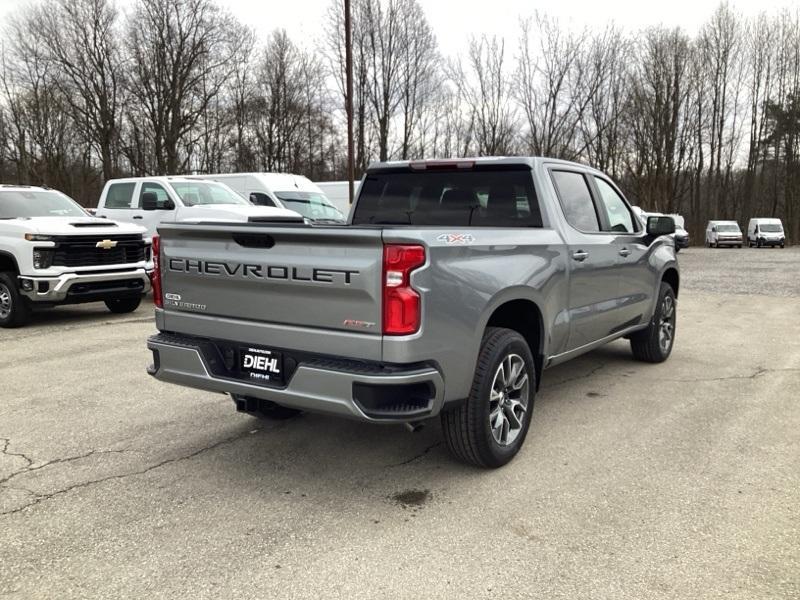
(106, 244)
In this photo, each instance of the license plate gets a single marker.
(261, 365)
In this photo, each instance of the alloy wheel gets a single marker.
(508, 399)
(5, 301)
(666, 328)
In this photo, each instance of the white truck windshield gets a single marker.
(199, 193)
(24, 204)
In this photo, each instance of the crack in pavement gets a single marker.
(42, 497)
(416, 457)
(56, 461)
(83, 325)
(576, 378)
(760, 371)
(5, 452)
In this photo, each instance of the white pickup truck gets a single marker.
(53, 252)
(150, 201)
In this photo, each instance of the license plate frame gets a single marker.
(261, 365)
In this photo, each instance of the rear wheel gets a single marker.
(489, 428)
(123, 305)
(14, 308)
(654, 344)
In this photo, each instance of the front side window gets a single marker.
(29, 204)
(311, 205)
(120, 195)
(261, 199)
(576, 200)
(200, 193)
(162, 198)
(619, 217)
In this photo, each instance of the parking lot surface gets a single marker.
(679, 480)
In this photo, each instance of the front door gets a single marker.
(151, 218)
(632, 254)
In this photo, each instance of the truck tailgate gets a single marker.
(309, 289)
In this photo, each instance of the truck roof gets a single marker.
(157, 178)
(529, 161)
(12, 187)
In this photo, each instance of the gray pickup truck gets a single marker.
(449, 291)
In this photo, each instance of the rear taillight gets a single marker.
(401, 302)
(155, 278)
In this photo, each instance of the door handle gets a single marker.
(138, 217)
(580, 255)
(624, 252)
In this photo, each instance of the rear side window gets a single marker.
(576, 200)
(119, 195)
(457, 198)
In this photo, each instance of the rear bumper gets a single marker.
(363, 391)
(85, 287)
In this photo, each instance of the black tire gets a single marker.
(15, 310)
(466, 427)
(647, 345)
(264, 409)
(121, 306)
(758, 243)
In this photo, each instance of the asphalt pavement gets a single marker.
(679, 480)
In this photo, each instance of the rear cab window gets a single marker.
(479, 197)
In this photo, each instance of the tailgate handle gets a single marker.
(254, 240)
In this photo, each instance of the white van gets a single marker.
(723, 233)
(148, 201)
(765, 232)
(283, 190)
(338, 192)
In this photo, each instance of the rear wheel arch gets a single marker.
(525, 317)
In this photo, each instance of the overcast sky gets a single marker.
(454, 21)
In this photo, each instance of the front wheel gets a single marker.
(654, 344)
(14, 308)
(489, 427)
(123, 305)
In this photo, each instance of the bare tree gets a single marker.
(182, 52)
(484, 87)
(80, 39)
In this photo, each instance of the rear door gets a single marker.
(119, 202)
(594, 283)
(316, 290)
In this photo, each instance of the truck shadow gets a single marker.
(314, 454)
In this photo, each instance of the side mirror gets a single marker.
(657, 226)
(149, 201)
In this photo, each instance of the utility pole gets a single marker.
(348, 61)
